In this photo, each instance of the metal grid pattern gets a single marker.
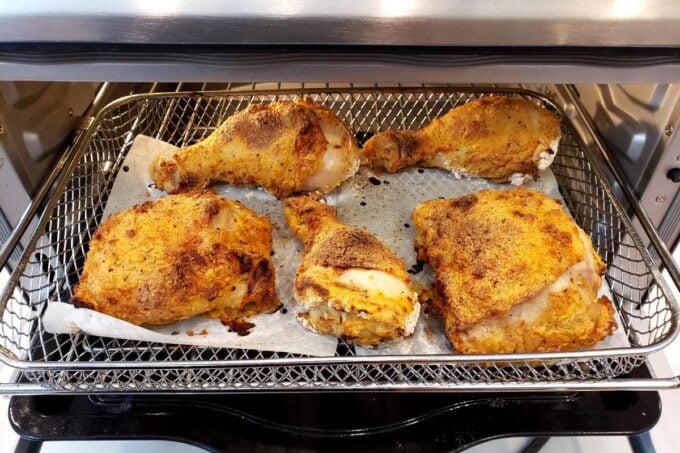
(52, 265)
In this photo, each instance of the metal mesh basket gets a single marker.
(51, 266)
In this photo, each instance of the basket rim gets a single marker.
(10, 359)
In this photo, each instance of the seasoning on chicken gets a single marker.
(504, 139)
(167, 260)
(352, 285)
(284, 146)
(514, 273)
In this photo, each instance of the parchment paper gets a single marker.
(278, 331)
(387, 213)
(381, 204)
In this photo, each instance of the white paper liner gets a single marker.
(387, 212)
(280, 331)
(381, 204)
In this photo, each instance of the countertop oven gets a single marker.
(77, 82)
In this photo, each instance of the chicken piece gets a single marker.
(352, 285)
(167, 260)
(514, 273)
(505, 139)
(284, 147)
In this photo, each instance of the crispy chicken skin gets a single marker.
(514, 273)
(284, 147)
(352, 285)
(505, 139)
(170, 259)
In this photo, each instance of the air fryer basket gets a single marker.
(51, 266)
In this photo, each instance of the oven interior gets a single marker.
(610, 67)
(43, 124)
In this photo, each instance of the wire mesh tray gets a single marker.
(51, 265)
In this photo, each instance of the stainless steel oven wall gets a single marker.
(37, 118)
(36, 121)
(641, 124)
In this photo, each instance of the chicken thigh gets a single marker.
(183, 255)
(514, 273)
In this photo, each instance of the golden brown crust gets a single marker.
(329, 243)
(347, 248)
(277, 146)
(392, 151)
(493, 137)
(572, 320)
(498, 251)
(485, 241)
(353, 285)
(167, 260)
(307, 214)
